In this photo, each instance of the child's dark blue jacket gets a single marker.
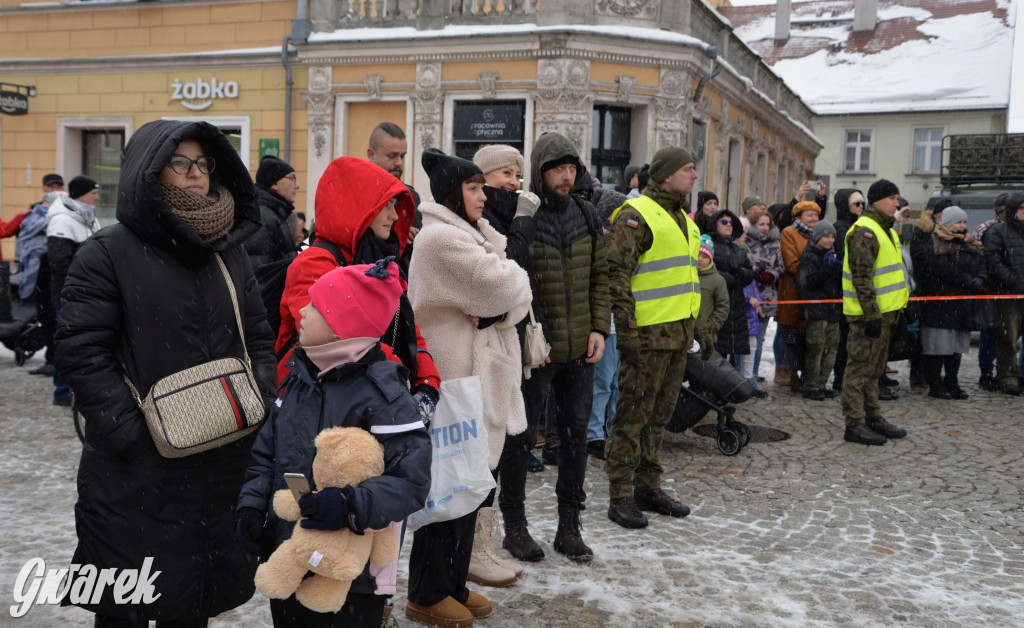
(371, 394)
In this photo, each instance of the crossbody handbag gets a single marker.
(205, 406)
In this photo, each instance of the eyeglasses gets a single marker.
(291, 177)
(860, 203)
(726, 221)
(183, 165)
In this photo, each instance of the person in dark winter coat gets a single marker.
(952, 265)
(1004, 262)
(144, 299)
(339, 377)
(820, 278)
(734, 266)
(276, 186)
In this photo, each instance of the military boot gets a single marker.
(660, 502)
(625, 513)
(567, 539)
(885, 428)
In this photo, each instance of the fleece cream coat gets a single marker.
(457, 272)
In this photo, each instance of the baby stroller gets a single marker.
(27, 332)
(713, 384)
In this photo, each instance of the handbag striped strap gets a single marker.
(234, 304)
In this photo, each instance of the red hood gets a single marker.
(350, 194)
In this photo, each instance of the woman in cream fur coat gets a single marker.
(467, 298)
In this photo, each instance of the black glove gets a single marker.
(629, 348)
(249, 529)
(765, 277)
(978, 285)
(426, 402)
(730, 281)
(873, 329)
(830, 259)
(329, 509)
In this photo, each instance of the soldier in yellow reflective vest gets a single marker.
(874, 293)
(652, 255)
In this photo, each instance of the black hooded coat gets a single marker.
(844, 218)
(735, 267)
(143, 299)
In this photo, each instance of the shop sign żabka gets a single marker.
(13, 103)
(200, 94)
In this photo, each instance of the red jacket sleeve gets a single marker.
(310, 265)
(426, 372)
(7, 229)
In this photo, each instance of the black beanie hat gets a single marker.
(81, 185)
(643, 177)
(446, 172)
(703, 197)
(272, 169)
(883, 188)
(53, 179)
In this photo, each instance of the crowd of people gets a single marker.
(356, 323)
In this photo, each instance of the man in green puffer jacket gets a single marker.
(571, 278)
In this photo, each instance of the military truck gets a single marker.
(978, 168)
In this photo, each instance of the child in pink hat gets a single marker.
(339, 377)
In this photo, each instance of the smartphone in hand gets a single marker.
(297, 484)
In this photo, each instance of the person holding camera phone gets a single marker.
(783, 214)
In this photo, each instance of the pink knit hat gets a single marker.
(359, 301)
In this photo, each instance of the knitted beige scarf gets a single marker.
(211, 216)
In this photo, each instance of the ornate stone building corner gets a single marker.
(627, 8)
(564, 101)
(428, 102)
(319, 103)
(672, 110)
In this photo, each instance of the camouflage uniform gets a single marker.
(822, 340)
(867, 356)
(653, 357)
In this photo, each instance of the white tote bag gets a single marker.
(460, 478)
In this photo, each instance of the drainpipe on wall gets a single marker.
(704, 80)
(301, 28)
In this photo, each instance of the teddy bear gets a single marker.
(345, 456)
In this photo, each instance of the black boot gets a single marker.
(951, 363)
(660, 502)
(521, 545)
(625, 513)
(567, 539)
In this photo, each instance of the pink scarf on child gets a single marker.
(342, 351)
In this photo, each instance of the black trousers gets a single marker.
(361, 610)
(572, 387)
(439, 561)
(106, 621)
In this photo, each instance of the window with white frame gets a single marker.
(858, 150)
(927, 150)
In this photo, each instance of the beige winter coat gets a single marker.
(457, 272)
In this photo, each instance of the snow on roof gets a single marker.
(924, 55)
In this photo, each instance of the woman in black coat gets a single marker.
(143, 299)
(951, 264)
(735, 267)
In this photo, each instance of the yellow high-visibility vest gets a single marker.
(887, 276)
(665, 284)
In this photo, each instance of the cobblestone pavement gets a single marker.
(810, 531)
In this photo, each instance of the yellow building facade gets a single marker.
(601, 72)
